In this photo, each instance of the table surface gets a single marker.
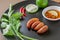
(4, 4)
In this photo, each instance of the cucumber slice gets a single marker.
(31, 8)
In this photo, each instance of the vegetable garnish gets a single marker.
(31, 8)
(23, 11)
(12, 24)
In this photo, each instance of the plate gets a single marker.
(54, 27)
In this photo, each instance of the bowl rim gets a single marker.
(49, 9)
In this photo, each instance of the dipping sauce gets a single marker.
(52, 14)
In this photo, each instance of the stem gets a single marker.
(29, 38)
(20, 36)
(17, 34)
(14, 29)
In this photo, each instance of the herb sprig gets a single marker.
(13, 24)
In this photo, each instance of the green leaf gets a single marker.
(10, 8)
(4, 20)
(5, 14)
(10, 11)
(17, 15)
(17, 25)
(8, 31)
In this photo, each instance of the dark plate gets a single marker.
(54, 27)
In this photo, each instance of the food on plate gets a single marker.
(13, 24)
(23, 11)
(42, 3)
(31, 21)
(31, 8)
(40, 25)
(3, 25)
(52, 14)
(43, 29)
(37, 25)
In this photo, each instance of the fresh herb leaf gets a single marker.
(17, 15)
(10, 11)
(8, 31)
(5, 14)
(4, 20)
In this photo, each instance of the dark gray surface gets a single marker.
(54, 27)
